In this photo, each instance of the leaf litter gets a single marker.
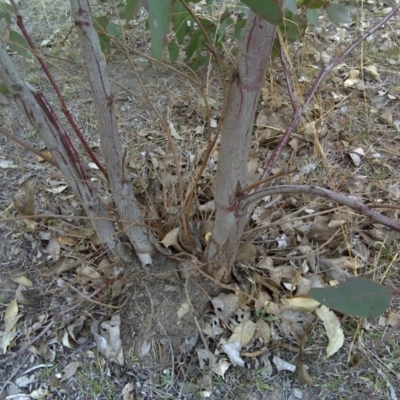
(293, 245)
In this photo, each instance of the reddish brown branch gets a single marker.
(64, 107)
(324, 72)
(319, 191)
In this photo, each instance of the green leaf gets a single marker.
(338, 14)
(159, 17)
(179, 17)
(358, 297)
(115, 31)
(270, 10)
(3, 88)
(100, 24)
(18, 43)
(291, 5)
(195, 44)
(173, 50)
(6, 11)
(132, 7)
(313, 17)
(316, 4)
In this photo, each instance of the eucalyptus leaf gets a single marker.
(338, 14)
(159, 17)
(358, 297)
(270, 10)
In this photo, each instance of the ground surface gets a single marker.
(349, 141)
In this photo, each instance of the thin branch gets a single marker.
(64, 107)
(286, 71)
(27, 146)
(324, 72)
(319, 191)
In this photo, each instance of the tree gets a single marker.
(234, 201)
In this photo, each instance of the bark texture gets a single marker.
(120, 185)
(24, 96)
(236, 133)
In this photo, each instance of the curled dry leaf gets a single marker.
(221, 367)
(22, 299)
(243, 333)
(171, 239)
(53, 249)
(302, 303)
(225, 305)
(232, 351)
(87, 273)
(76, 326)
(64, 264)
(11, 318)
(295, 323)
(333, 329)
(69, 371)
(108, 340)
(128, 392)
(24, 197)
(282, 365)
(22, 280)
(263, 330)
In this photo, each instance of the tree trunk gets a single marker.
(24, 96)
(120, 185)
(237, 128)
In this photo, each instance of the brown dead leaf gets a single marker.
(225, 305)
(70, 370)
(243, 333)
(333, 330)
(263, 330)
(302, 374)
(22, 299)
(295, 323)
(22, 280)
(24, 197)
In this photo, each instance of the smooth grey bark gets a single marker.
(120, 185)
(24, 96)
(236, 130)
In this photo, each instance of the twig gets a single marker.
(324, 72)
(46, 70)
(49, 325)
(319, 191)
(286, 71)
(13, 374)
(27, 146)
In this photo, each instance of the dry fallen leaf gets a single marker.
(333, 329)
(263, 330)
(22, 280)
(302, 303)
(11, 318)
(24, 197)
(282, 365)
(295, 323)
(108, 341)
(128, 392)
(243, 333)
(69, 370)
(225, 305)
(232, 351)
(221, 367)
